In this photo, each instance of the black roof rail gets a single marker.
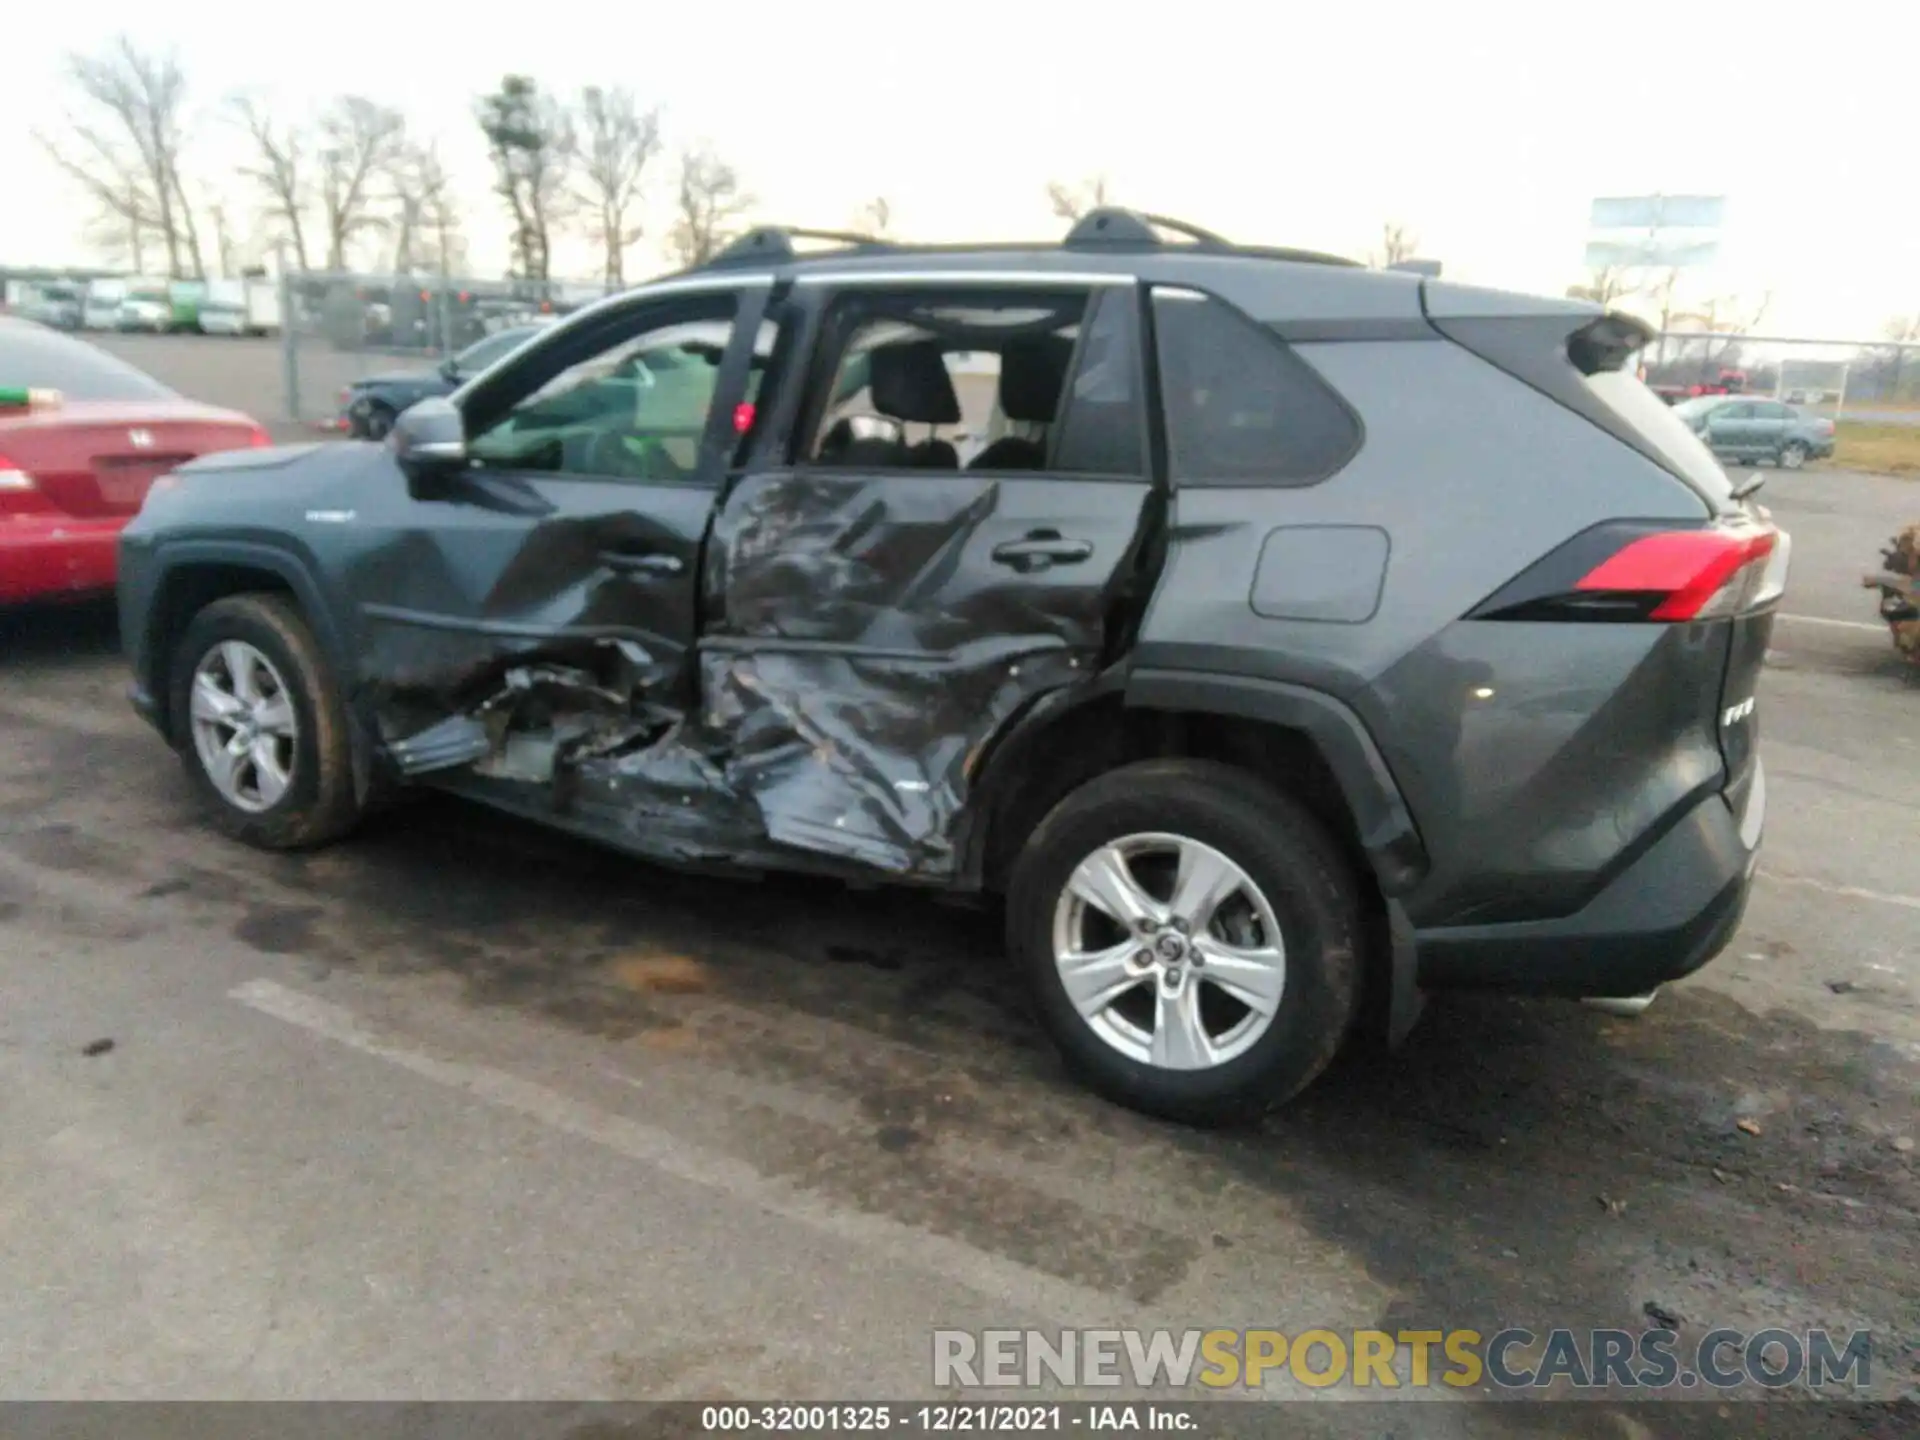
(773, 244)
(1136, 229)
(1109, 227)
(1112, 225)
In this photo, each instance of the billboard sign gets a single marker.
(1658, 212)
(1650, 253)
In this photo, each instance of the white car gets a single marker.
(148, 310)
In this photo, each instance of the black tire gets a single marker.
(320, 803)
(378, 421)
(1283, 850)
(1792, 456)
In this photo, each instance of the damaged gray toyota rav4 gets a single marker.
(1276, 640)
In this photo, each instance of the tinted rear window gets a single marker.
(1241, 407)
(42, 359)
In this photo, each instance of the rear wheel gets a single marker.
(1191, 938)
(1792, 455)
(261, 725)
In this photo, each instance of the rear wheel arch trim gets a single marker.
(1381, 817)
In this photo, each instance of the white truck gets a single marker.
(101, 309)
(241, 307)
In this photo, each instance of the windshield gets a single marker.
(31, 357)
(482, 353)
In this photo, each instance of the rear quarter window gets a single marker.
(1241, 408)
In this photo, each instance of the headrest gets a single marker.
(909, 381)
(1032, 372)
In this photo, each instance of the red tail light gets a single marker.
(258, 438)
(1636, 572)
(742, 418)
(1690, 570)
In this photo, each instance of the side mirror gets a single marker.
(450, 368)
(429, 442)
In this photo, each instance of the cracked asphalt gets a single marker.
(459, 1109)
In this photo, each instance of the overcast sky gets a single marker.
(1486, 126)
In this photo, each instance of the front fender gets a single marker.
(147, 579)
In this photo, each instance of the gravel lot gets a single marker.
(461, 1109)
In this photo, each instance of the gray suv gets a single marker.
(1274, 639)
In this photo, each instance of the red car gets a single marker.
(75, 465)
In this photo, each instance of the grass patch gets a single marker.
(1885, 449)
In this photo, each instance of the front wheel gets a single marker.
(261, 725)
(1191, 937)
(378, 421)
(1793, 455)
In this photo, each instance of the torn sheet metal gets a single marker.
(865, 649)
(863, 646)
(444, 610)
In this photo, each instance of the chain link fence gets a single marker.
(1863, 380)
(341, 329)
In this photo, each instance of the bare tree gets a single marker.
(1398, 244)
(124, 146)
(875, 218)
(1604, 285)
(1719, 324)
(120, 234)
(709, 201)
(1893, 366)
(617, 139)
(1070, 202)
(531, 141)
(359, 143)
(439, 208)
(280, 170)
(223, 241)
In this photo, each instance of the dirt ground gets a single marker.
(461, 1109)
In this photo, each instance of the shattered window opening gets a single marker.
(637, 410)
(922, 384)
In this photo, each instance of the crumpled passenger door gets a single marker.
(870, 632)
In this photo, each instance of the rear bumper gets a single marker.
(57, 558)
(1665, 916)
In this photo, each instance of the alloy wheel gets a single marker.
(244, 727)
(1169, 951)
